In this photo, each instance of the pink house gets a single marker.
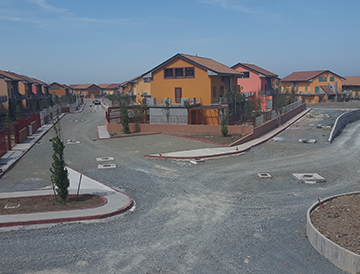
(257, 82)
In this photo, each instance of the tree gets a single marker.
(224, 123)
(124, 117)
(59, 177)
(166, 110)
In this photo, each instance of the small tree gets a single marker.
(124, 117)
(166, 110)
(224, 123)
(59, 177)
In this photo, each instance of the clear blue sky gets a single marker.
(111, 41)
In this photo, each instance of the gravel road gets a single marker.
(214, 217)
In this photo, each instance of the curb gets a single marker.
(339, 256)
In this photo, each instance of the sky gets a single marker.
(112, 41)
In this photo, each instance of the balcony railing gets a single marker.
(173, 102)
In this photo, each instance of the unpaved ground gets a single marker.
(339, 221)
(47, 203)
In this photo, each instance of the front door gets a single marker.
(178, 95)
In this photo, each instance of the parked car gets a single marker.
(96, 102)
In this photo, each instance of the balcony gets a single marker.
(173, 102)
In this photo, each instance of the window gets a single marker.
(297, 88)
(322, 79)
(332, 78)
(189, 72)
(169, 73)
(179, 72)
(221, 90)
(317, 89)
(214, 92)
(306, 89)
(147, 80)
(246, 74)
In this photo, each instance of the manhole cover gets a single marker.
(264, 175)
(103, 159)
(12, 205)
(106, 166)
(309, 178)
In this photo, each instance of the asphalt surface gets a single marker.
(214, 217)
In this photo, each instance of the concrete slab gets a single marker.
(309, 178)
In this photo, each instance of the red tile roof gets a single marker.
(109, 86)
(82, 86)
(202, 62)
(305, 76)
(256, 69)
(351, 81)
(327, 90)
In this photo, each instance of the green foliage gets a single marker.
(59, 176)
(17, 112)
(166, 109)
(224, 128)
(124, 117)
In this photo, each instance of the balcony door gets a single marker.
(178, 95)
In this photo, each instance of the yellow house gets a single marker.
(198, 80)
(137, 88)
(86, 90)
(110, 89)
(314, 86)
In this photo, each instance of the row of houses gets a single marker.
(195, 83)
(202, 83)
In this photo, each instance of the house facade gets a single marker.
(137, 88)
(257, 83)
(199, 81)
(314, 86)
(110, 89)
(59, 89)
(86, 90)
(351, 86)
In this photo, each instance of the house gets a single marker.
(110, 89)
(314, 86)
(137, 88)
(21, 88)
(59, 89)
(196, 80)
(257, 82)
(351, 86)
(86, 90)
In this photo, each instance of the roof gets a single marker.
(305, 76)
(202, 62)
(256, 69)
(82, 86)
(109, 86)
(351, 81)
(14, 76)
(327, 90)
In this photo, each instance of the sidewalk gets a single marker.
(225, 151)
(116, 203)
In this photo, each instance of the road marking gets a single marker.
(264, 175)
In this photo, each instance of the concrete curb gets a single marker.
(339, 256)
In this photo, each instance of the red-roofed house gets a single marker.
(256, 82)
(86, 90)
(59, 89)
(351, 85)
(109, 89)
(314, 86)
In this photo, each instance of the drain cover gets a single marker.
(12, 205)
(264, 175)
(106, 166)
(309, 178)
(103, 159)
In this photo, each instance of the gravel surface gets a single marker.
(214, 217)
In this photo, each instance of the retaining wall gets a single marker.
(341, 257)
(342, 121)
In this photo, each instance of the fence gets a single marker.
(2, 142)
(273, 114)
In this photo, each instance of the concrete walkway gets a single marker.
(225, 151)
